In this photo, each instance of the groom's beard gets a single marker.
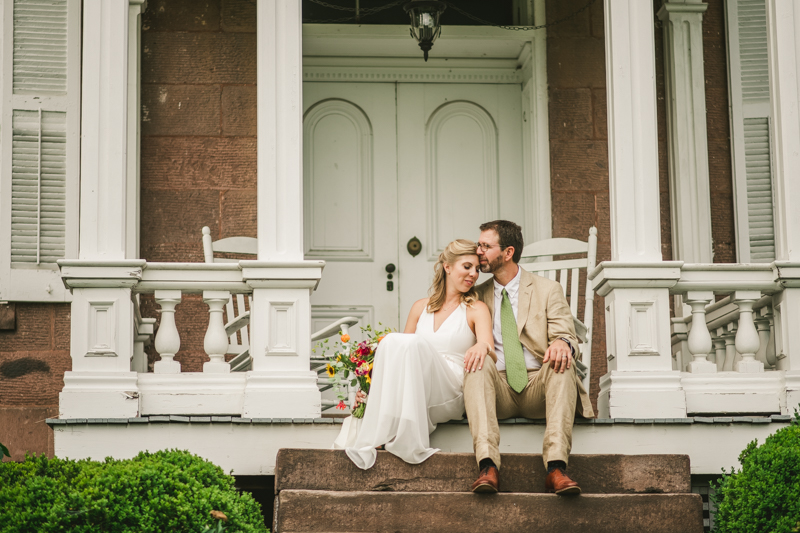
(490, 267)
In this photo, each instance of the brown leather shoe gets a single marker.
(488, 482)
(558, 482)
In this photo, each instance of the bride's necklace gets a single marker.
(452, 306)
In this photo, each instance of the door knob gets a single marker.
(389, 269)
(414, 247)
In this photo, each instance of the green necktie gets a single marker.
(516, 373)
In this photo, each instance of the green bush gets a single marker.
(765, 494)
(163, 491)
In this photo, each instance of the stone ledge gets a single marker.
(720, 420)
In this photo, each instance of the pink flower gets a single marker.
(363, 349)
(362, 368)
(341, 405)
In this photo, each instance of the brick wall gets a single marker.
(198, 147)
(33, 359)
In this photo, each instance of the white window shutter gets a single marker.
(751, 141)
(40, 158)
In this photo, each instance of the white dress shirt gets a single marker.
(513, 295)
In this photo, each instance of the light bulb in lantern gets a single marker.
(425, 26)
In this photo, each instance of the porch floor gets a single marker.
(250, 446)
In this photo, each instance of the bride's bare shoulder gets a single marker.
(420, 304)
(478, 307)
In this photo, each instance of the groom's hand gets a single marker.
(559, 355)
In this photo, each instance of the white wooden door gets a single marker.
(387, 162)
(350, 199)
(460, 163)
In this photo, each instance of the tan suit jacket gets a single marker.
(543, 316)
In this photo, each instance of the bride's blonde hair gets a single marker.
(437, 292)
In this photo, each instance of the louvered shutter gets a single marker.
(40, 158)
(751, 140)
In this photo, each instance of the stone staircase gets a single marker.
(322, 491)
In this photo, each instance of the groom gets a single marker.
(534, 377)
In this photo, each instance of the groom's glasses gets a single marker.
(486, 247)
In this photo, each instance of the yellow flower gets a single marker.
(330, 370)
(369, 379)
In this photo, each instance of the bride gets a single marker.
(418, 375)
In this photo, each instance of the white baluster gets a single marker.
(762, 325)
(747, 341)
(730, 346)
(168, 341)
(216, 341)
(772, 358)
(699, 338)
(719, 350)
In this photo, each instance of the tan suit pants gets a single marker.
(551, 395)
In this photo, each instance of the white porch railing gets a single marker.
(728, 351)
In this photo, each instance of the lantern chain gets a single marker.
(454, 7)
(451, 5)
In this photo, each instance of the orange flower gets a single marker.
(381, 338)
(345, 338)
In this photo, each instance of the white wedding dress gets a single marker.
(417, 382)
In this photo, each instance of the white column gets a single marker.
(690, 198)
(280, 130)
(104, 130)
(102, 383)
(632, 131)
(635, 283)
(281, 383)
(168, 340)
(783, 35)
(134, 112)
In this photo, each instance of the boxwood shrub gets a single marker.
(765, 494)
(164, 491)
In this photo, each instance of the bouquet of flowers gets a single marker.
(352, 363)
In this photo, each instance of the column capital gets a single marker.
(682, 7)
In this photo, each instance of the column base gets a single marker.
(641, 394)
(792, 403)
(167, 366)
(281, 394)
(733, 392)
(702, 367)
(216, 367)
(749, 367)
(99, 395)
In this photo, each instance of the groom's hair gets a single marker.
(510, 234)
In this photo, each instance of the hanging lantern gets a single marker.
(425, 26)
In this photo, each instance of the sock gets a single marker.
(486, 463)
(552, 465)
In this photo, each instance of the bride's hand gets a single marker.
(360, 398)
(473, 359)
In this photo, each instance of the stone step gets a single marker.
(301, 511)
(331, 470)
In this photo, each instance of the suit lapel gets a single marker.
(524, 298)
(488, 296)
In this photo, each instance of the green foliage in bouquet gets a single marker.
(765, 494)
(351, 363)
(164, 491)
